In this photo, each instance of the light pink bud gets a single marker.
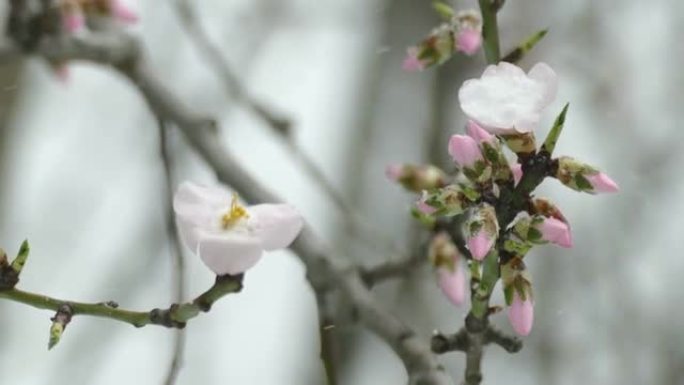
(480, 244)
(422, 206)
(453, 284)
(122, 12)
(478, 133)
(464, 150)
(521, 314)
(516, 170)
(411, 62)
(394, 171)
(62, 73)
(602, 183)
(468, 41)
(556, 231)
(73, 21)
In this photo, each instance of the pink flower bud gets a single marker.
(464, 150)
(468, 41)
(478, 133)
(453, 284)
(73, 21)
(411, 62)
(556, 231)
(480, 244)
(422, 206)
(602, 183)
(394, 171)
(122, 13)
(521, 314)
(516, 170)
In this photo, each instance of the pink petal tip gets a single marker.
(479, 245)
(602, 183)
(469, 41)
(521, 315)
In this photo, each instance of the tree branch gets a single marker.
(175, 251)
(355, 223)
(176, 316)
(123, 53)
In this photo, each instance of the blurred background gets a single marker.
(82, 178)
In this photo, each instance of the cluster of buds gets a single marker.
(461, 32)
(491, 197)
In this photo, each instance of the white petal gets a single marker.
(190, 196)
(229, 253)
(506, 100)
(547, 77)
(277, 225)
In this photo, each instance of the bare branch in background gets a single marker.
(176, 253)
(355, 223)
(323, 270)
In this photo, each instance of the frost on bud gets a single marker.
(416, 178)
(481, 230)
(583, 177)
(445, 257)
(518, 293)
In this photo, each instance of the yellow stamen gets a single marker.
(235, 214)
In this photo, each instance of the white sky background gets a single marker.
(82, 179)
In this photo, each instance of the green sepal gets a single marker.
(582, 183)
(526, 46)
(552, 138)
(22, 255)
(443, 9)
(56, 331)
(425, 219)
(508, 295)
(516, 246)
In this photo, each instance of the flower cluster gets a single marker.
(489, 197)
(461, 33)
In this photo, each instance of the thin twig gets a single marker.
(176, 252)
(123, 53)
(355, 223)
(176, 316)
(231, 82)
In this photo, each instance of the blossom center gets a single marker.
(235, 214)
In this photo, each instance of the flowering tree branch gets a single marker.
(123, 53)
